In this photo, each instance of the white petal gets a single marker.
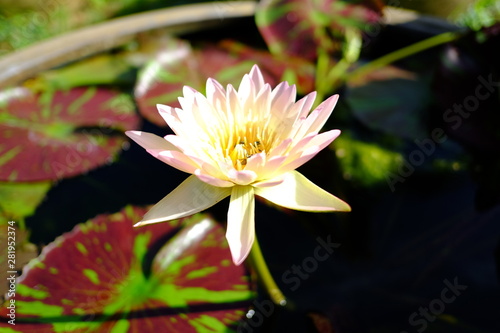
(190, 197)
(246, 90)
(240, 232)
(172, 118)
(178, 160)
(269, 182)
(243, 177)
(256, 162)
(216, 94)
(311, 146)
(150, 141)
(283, 96)
(299, 193)
(318, 117)
(306, 103)
(212, 180)
(257, 78)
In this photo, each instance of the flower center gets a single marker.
(244, 150)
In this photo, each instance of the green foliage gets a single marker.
(480, 14)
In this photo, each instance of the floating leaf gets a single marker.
(97, 70)
(390, 100)
(299, 28)
(162, 81)
(19, 200)
(61, 134)
(107, 276)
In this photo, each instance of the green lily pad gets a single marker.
(19, 200)
(178, 65)
(59, 134)
(107, 276)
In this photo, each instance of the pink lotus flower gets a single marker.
(241, 143)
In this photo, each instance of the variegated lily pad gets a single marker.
(300, 27)
(162, 81)
(52, 135)
(107, 276)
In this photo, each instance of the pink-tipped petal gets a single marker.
(311, 147)
(216, 94)
(190, 197)
(270, 182)
(257, 78)
(243, 177)
(178, 160)
(283, 96)
(324, 110)
(299, 193)
(212, 180)
(281, 148)
(150, 141)
(256, 162)
(306, 104)
(240, 232)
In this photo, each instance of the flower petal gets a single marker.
(243, 177)
(178, 160)
(299, 193)
(240, 232)
(212, 180)
(190, 197)
(317, 118)
(257, 78)
(311, 147)
(150, 141)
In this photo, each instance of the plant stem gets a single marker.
(403, 53)
(265, 277)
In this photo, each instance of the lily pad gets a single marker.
(107, 276)
(19, 200)
(52, 135)
(392, 101)
(299, 28)
(178, 65)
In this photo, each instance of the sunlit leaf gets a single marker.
(19, 200)
(161, 82)
(98, 70)
(480, 14)
(107, 276)
(299, 28)
(61, 134)
(365, 163)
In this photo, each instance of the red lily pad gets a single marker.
(107, 276)
(161, 82)
(299, 28)
(52, 135)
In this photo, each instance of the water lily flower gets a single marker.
(241, 143)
